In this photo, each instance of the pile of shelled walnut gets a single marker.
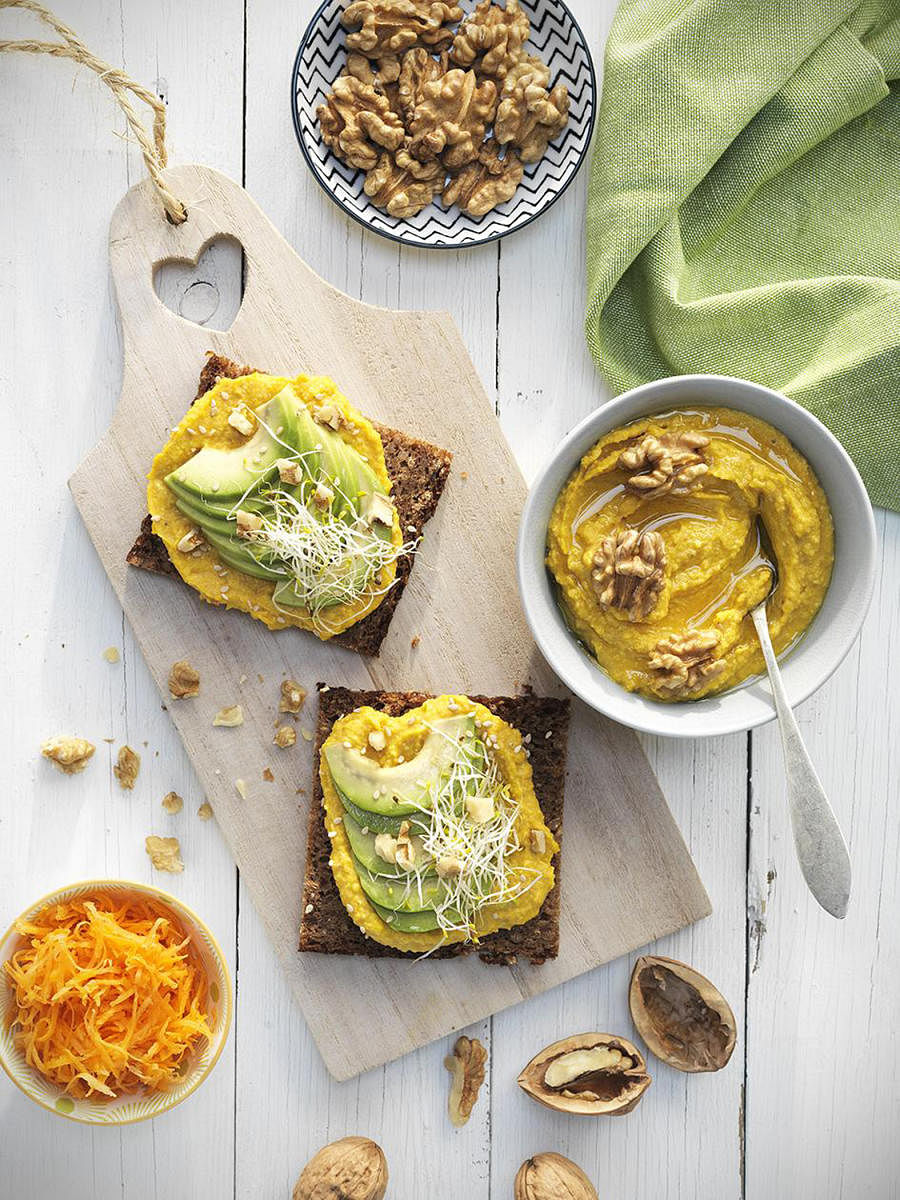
(427, 110)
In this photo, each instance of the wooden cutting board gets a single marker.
(627, 877)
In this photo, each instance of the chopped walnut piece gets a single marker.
(126, 767)
(537, 840)
(658, 466)
(172, 803)
(488, 181)
(239, 420)
(388, 27)
(165, 853)
(480, 809)
(229, 717)
(377, 739)
(267, 775)
(491, 38)
(285, 736)
(466, 1067)
(289, 471)
(357, 122)
(685, 661)
(247, 522)
(204, 812)
(451, 118)
(191, 541)
(183, 680)
(111, 654)
(529, 116)
(629, 572)
(292, 696)
(401, 192)
(448, 866)
(68, 754)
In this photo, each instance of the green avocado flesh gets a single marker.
(401, 895)
(363, 847)
(374, 822)
(403, 789)
(210, 487)
(409, 922)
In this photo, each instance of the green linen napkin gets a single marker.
(744, 207)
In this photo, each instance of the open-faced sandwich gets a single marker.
(277, 497)
(435, 826)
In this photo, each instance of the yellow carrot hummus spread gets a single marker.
(436, 833)
(658, 544)
(272, 497)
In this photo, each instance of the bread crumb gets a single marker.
(285, 736)
(293, 697)
(268, 776)
(204, 812)
(415, 641)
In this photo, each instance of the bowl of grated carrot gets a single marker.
(115, 1002)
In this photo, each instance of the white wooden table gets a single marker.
(809, 1105)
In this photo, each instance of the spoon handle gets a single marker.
(821, 849)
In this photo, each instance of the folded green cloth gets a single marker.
(744, 207)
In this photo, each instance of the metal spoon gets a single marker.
(821, 849)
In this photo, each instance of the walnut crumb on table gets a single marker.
(126, 767)
(68, 754)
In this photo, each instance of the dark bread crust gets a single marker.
(327, 927)
(418, 472)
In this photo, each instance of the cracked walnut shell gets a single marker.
(357, 122)
(550, 1176)
(388, 27)
(488, 181)
(682, 1017)
(491, 38)
(353, 1168)
(466, 1067)
(404, 190)
(589, 1074)
(629, 572)
(528, 115)
(684, 661)
(451, 118)
(658, 466)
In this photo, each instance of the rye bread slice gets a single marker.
(327, 928)
(418, 471)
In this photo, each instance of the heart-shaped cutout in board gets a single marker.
(207, 291)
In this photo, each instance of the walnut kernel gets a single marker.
(165, 853)
(668, 464)
(629, 572)
(292, 696)
(183, 680)
(126, 767)
(685, 661)
(466, 1067)
(68, 754)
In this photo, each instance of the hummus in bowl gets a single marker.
(737, 502)
(660, 545)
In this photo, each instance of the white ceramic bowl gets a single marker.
(828, 638)
(124, 1110)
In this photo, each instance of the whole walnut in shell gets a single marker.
(488, 181)
(353, 1168)
(401, 185)
(386, 27)
(528, 116)
(491, 38)
(357, 122)
(549, 1176)
(451, 118)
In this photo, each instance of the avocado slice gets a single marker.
(417, 922)
(401, 895)
(235, 554)
(363, 847)
(376, 823)
(229, 473)
(405, 788)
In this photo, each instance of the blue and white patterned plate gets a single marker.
(555, 36)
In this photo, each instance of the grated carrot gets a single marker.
(109, 996)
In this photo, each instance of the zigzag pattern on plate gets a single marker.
(554, 35)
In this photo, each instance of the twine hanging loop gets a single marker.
(123, 88)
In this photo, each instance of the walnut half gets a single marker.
(669, 464)
(451, 118)
(590, 1074)
(488, 181)
(357, 122)
(685, 661)
(629, 572)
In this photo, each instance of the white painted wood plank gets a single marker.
(823, 1088)
(63, 167)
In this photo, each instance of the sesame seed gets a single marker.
(308, 909)
(548, 734)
